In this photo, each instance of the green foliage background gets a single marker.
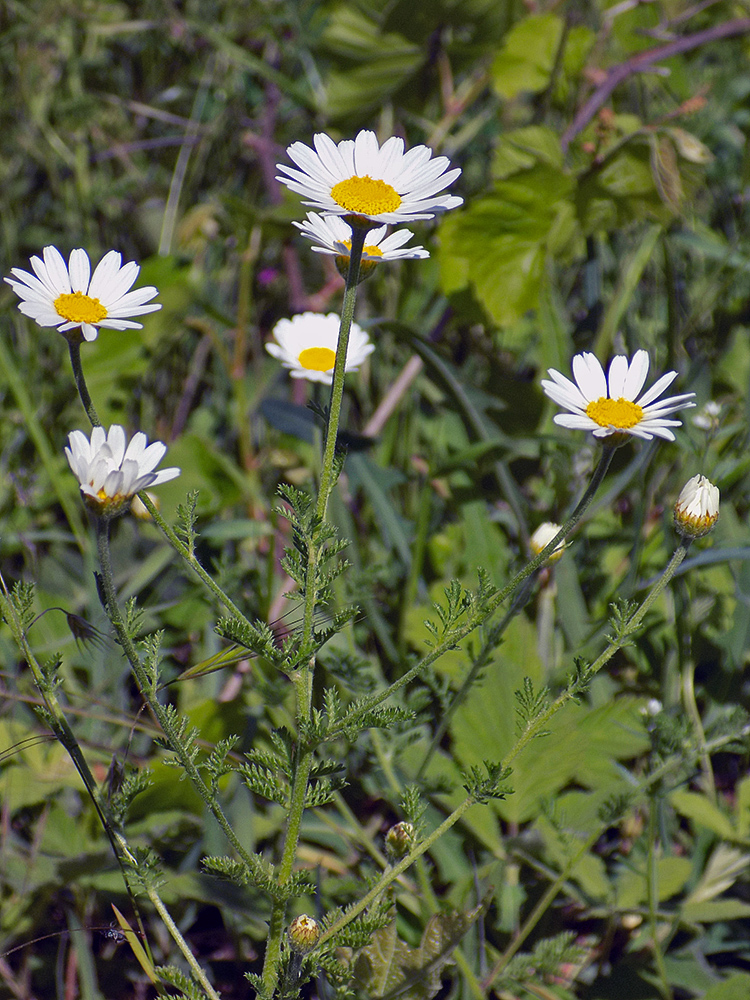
(153, 128)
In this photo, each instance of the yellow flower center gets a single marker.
(620, 413)
(76, 307)
(317, 359)
(371, 251)
(366, 195)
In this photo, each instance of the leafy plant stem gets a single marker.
(676, 761)
(485, 612)
(179, 546)
(83, 389)
(181, 943)
(304, 677)
(66, 737)
(148, 691)
(477, 666)
(391, 874)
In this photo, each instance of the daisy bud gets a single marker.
(543, 536)
(304, 933)
(111, 471)
(399, 841)
(697, 508)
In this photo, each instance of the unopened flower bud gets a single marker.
(697, 508)
(304, 934)
(542, 537)
(399, 841)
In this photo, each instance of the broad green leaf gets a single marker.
(381, 61)
(631, 890)
(736, 987)
(715, 911)
(583, 745)
(702, 811)
(387, 967)
(527, 57)
(499, 244)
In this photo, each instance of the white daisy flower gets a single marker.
(334, 236)
(607, 405)
(67, 296)
(697, 508)
(359, 177)
(306, 345)
(543, 536)
(111, 474)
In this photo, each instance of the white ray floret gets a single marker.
(331, 235)
(110, 470)
(306, 345)
(610, 404)
(362, 178)
(68, 296)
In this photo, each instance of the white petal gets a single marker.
(590, 377)
(79, 269)
(636, 375)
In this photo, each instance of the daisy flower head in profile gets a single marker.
(611, 404)
(69, 297)
(111, 471)
(697, 508)
(306, 345)
(541, 539)
(362, 180)
(331, 235)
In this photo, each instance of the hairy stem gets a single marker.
(148, 687)
(304, 678)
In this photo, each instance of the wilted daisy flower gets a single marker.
(111, 473)
(542, 537)
(306, 345)
(67, 296)
(697, 508)
(360, 177)
(609, 404)
(334, 236)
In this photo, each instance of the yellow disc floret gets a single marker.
(620, 413)
(317, 359)
(76, 307)
(366, 196)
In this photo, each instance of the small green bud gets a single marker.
(304, 934)
(399, 841)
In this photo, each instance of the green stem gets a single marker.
(304, 677)
(460, 633)
(83, 389)
(60, 726)
(653, 779)
(179, 546)
(391, 874)
(530, 733)
(479, 663)
(181, 943)
(339, 371)
(148, 689)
